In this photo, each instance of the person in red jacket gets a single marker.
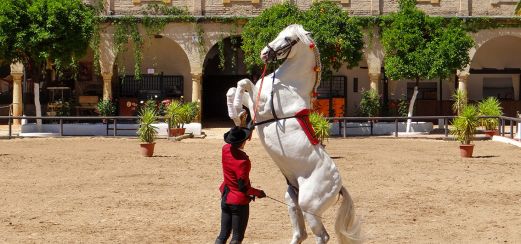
(236, 190)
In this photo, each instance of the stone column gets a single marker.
(17, 96)
(374, 78)
(107, 86)
(462, 83)
(197, 89)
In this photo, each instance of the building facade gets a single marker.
(185, 57)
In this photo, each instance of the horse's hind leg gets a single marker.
(321, 235)
(313, 204)
(296, 217)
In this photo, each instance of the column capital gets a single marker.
(107, 75)
(374, 76)
(464, 76)
(17, 76)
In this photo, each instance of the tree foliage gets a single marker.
(36, 31)
(264, 28)
(338, 38)
(418, 46)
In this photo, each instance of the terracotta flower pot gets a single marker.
(177, 132)
(466, 150)
(147, 149)
(490, 133)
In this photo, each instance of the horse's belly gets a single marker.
(298, 159)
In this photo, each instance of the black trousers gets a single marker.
(233, 217)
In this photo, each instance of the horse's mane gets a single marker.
(300, 32)
(306, 39)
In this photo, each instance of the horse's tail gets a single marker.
(347, 225)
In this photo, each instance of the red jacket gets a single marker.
(236, 170)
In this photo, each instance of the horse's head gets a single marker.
(283, 45)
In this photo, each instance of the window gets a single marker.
(335, 87)
(426, 90)
(355, 84)
(500, 88)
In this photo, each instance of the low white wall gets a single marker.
(97, 129)
(380, 128)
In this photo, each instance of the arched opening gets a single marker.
(6, 90)
(496, 71)
(164, 74)
(219, 76)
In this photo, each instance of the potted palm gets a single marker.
(320, 125)
(178, 114)
(147, 132)
(190, 110)
(490, 107)
(174, 114)
(464, 127)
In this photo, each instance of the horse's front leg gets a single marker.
(237, 97)
(232, 111)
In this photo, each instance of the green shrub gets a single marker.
(490, 107)
(460, 101)
(179, 113)
(320, 125)
(370, 103)
(106, 108)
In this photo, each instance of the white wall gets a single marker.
(163, 55)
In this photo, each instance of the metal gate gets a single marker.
(332, 97)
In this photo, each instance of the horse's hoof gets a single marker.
(298, 239)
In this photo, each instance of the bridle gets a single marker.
(272, 57)
(284, 49)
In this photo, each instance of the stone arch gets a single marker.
(496, 70)
(217, 80)
(482, 37)
(160, 55)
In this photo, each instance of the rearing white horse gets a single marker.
(313, 179)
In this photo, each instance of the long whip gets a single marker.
(281, 202)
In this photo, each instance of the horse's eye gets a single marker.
(287, 39)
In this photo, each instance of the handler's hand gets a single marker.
(262, 194)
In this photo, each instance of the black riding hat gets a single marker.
(237, 135)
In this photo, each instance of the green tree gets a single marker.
(36, 32)
(264, 28)
(338, 38)
(418, 46)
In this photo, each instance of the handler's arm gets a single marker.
(243, 180)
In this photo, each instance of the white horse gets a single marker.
(313, 178)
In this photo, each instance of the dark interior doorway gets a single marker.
(218, 78)
(215, 111)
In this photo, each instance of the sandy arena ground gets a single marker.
(101, 190)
